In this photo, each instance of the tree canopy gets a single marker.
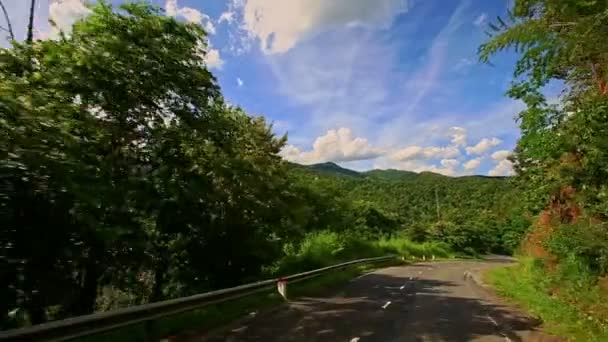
(562, 155)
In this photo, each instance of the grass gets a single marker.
(315, 251)
(561, 305)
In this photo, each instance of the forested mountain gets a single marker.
(473, 212)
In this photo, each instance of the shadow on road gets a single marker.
(419, 310)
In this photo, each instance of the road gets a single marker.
(419, 302)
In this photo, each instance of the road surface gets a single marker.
(419, 302)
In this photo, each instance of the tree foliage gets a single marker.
(122, 165)
(562, 154)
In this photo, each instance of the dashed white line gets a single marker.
(386, 305)
(361, 276)
(492, 320)
(507, 339)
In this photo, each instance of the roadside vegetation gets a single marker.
(561, 160)
(575, 308)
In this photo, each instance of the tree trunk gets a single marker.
(159, 280)
(8, 21)
(86, 299)
(30, 26)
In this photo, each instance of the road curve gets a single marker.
(419, 302)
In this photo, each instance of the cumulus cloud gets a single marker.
(226, 17)
(472, 164)
(280, 24)
(450, 163)
(481, 19)
(459, 136)
(503, 168)
(64, 13)
(483, 146)
(191, 15)
(425, 153)
(336, 145)
(213, 59)
(501, 155)
(239, 82)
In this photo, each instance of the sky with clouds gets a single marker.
(366, 84)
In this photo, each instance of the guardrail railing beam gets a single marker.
(106, 321)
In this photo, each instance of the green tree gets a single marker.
(123, 167)
(562, 146)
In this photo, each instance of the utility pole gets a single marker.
(30, 26)
(437, 204)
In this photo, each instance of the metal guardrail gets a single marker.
(105, 321)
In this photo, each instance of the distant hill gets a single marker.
(332, 168)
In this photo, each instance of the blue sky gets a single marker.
(366, 84)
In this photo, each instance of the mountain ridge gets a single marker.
(384, 174)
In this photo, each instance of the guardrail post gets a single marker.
(282, 287)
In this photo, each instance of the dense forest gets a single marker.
(127, 178)
(474, 214)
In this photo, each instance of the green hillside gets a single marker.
(476, 213)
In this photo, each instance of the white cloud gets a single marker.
(464, 63)
(425, 153)
(191, 15)
(450, 163)
(64, 13)
(481, 19)
(336, 145)
(501, 155)
(425, 80)
(472, 164)
(213, 59)
(280, 25)
(459, 136)
(239, 82)
(503, 168)
(227, 17)
(483, 145)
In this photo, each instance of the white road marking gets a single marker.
(386, 305)
(355, 339)
(402, 287)
(361, 276)
(507, 339)
(492, 320)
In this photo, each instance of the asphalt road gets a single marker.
(420, 302)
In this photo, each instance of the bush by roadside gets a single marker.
(565, 299)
